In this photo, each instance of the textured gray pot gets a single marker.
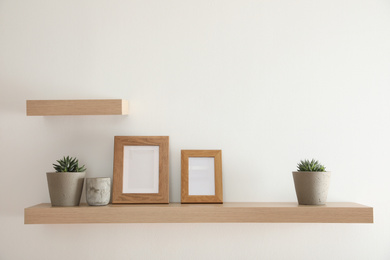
(311, 187)
(65, 188)
(98, 191)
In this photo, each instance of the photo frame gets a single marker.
(201, 176)
(141, 169)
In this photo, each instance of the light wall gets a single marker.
(268, 82)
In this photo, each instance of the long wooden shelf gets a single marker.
(229, 212)
(77, 107)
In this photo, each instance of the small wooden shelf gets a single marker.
(233, 212)
(77, 107)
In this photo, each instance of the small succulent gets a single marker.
(68, 164)
(310, 166)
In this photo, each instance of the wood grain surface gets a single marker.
(77, 107)
(229, 212)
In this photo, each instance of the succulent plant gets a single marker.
(310, 166)
(68, 164)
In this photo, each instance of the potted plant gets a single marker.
(311, 182)
(66, 183)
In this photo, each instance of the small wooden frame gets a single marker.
(141, 169)
(201, 176)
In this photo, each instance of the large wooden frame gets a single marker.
(162, 195)
(185, 157)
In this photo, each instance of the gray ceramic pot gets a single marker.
(311, 187)
(65, 188)
(98, 191)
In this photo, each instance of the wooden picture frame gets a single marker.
(201, 176)
(141, 169)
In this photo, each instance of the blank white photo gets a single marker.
(140, 169)
(201, 176)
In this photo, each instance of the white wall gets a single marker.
(268, 82)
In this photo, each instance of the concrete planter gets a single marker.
(65, 188)
(311, 187)
(98, 191)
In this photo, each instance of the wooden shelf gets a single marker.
(77, 107)
(233, 212)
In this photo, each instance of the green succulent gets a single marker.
(310, 166)
(68, 164)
